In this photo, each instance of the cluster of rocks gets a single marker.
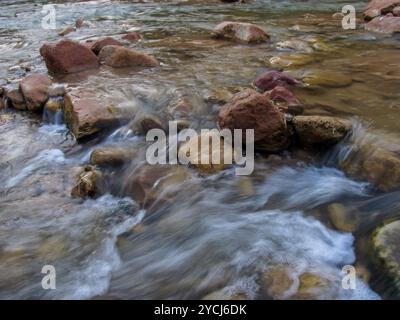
(383, 16)
(32, 93)
(67, 56)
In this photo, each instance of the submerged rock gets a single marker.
(226, 294)
(240, 32)
(85, 114)
(99, 44)
(79, 23)
(290, 60)
(132, 37)
(88, 183)
(320, 131)
(285, 100)
(34, 89)
(272, 78)
(386, 242)
(111, 156)
(144, 123)
(120, 57)
(295, 45)
(328, 79)
(252, 110)
(152, 183)
(281, 282)
(342, 219)
(67, 56)
(202, 158)
(378, 166)
(66, 31)
(380, 7)
(384, 24)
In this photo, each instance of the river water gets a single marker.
(217, 232)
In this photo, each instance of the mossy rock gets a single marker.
(386, 243)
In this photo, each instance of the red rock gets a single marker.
(272, 78)
(79, 23)
(97, 45)
(384, 24)
(14, 95)
(252, 110)
(34, 89)
(241, 32)
(284, 99)
(119, 57)
(132, 37)
(379, 7)
(85, 114)
(67, 56)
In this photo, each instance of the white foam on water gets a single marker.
(42, 160)
(310, 187)
(91, 273)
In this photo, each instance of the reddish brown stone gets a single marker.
(241, 32)
(85, 114)
(285, 100)
(384, 24)
(380, 7)
(97, 45)
(272, 78)
(79, 23)
(34, 89)
(119, 57)
(15, 97)
(67, 56)
(252, 110)
(132, 37)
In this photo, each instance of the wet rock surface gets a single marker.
(85, 114)
(240, 32)
(89, 183)
(67, 56)
(386, 244)
(120, 57)
(319, 131)
(34, 88)
(251, 110)
(111, 156)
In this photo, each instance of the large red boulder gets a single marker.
(34, 89)
(121, 57)
(377, 8)
(67, 56)
(240, 32)
(252, 110)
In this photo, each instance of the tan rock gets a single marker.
(111, 156)
(240, 32)
(317, 131)
(120, 57)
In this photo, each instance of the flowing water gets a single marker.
(215, 232)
